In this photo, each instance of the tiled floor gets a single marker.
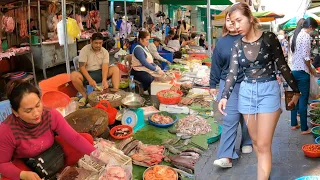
(289, 161)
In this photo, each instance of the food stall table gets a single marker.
(51, 54)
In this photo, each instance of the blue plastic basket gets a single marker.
(168, 56)
(5, 110)
(174, 117)
(317, 140)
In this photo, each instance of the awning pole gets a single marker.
(64, 23)
(125, 18)
(209, 28)
(111, 16)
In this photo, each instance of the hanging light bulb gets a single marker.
(83, 9)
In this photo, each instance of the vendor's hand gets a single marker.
(294, 100)
(93, 83)
(29, 175)
(222, 106)
(168, 62)
(313, 72)
(160, 72)
(279, 79)
(105, 84)
(213, 92)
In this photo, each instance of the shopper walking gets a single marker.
(219, 71)
(255, 55)
(301, 70)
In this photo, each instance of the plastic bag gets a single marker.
(117, 171)
(314, 88)
(73, 28)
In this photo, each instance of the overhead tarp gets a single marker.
(265, 16)
(195, 2)
(126, 0)
(292, 23)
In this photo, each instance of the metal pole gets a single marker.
(39, 19)
(64, 23)
(209, 28)
(74, 10)
(30, 44)
(125, 18)
(111, 16)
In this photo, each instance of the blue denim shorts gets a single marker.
(259, 97)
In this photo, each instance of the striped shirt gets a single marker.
(22, 140)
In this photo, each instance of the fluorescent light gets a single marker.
(83, 9)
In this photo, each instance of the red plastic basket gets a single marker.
(118, 127)
(55, 99)
(112, 112)
(123, 67)
(174, 100)
(311, 154)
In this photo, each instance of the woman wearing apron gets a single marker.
(143, 68)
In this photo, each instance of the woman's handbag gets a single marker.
(288, 97)
(48, 163)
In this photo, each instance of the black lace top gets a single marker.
(258, 61)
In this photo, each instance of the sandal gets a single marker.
(295, 127)
(82, 102)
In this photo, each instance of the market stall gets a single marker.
(14, 34)
(292, 23)
(148, 135)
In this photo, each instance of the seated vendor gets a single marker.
(194, 41)
(94, 68)
(143, 68)
(174, 46)
(169, 37)
(30, 130)
(153, 48)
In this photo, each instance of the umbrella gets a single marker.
(292, 23)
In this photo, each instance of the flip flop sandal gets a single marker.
(82, 102)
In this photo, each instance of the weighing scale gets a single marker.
(133, 118)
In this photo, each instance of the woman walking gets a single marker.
(219, 70)
(255, 55)
(301, 70)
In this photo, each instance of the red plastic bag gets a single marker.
(112, 112)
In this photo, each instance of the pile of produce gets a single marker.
(121, 132)
(169, 94)
(147, 155)
(161, 119)
(185, 161)
(185, 101)
(199, 100)
(161, 173)
(114, 173)
(203, 81)
(315, 116)
(108, 97)
(185, 88)
(193, 125)
(312, 148)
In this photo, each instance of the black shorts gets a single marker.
(95, 75)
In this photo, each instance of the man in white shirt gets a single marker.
(153, 48)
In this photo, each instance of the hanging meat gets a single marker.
(7, 24)
(22, 19)
(52, 22)
(52, 9)
(10, 13)
(93, 18)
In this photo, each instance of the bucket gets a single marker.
(112, 112)
(34, 39)
(4, 45)
(55, 99)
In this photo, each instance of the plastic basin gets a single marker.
(174, 117)
(308, 153)
(316, 131)
(317, 140)
(309, 178)
(114, 129)
(215, 138)
(55, 99)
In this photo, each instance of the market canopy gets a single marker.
(195, 2)
(292, 23)
(266, 16)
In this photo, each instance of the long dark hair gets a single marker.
(306, 24)
(17, 89)
(184, 24)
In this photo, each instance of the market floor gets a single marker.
(289, 161)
